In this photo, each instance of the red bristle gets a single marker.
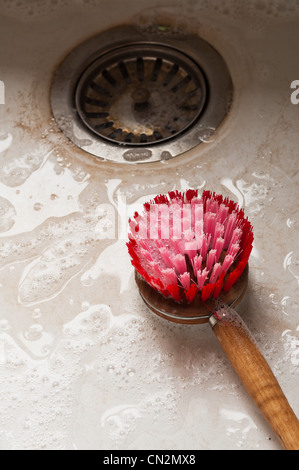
(235, 275)
(218, 286)
(159, 286)
(132, 242)
(232, 278)
(174, 195)
(218, 198)
(190, 194)
(161, 199)
(132, 252)
(174, 291)
(191, 293)
(194, 230)
(207, 291)
(141, 271)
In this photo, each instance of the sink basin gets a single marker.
(83, 363)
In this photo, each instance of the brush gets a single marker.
(190, 253)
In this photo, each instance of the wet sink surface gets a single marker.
(83, 364)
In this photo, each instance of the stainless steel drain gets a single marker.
(141, 94)
(127, 97)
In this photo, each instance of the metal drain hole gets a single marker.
(141, 94)
(153, 96)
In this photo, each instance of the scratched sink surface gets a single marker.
(83, 364)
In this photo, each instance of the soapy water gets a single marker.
(98, 354)
(151, 366)
(83, 364)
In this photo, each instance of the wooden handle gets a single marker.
(256, 375)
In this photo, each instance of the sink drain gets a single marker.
(141, 94)
(125, 97)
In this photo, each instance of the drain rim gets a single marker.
(67, 76)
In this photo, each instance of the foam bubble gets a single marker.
(7, 215)
(16, 169)
(48, 275)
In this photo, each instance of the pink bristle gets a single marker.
(205, 246)
(165, 223)
(210, 224)
(199, 242)
(228, 261)
(212, 206)
(146, 254)
(222, 214)
(155, 268)
(202, 277)
(230, 226)
(219, 247)
(197, 212)
(185, 280)
(198, 229)
(179, 263)
(166, 257)
(153, 224)
(219, 230)
(187, 218)
(211, 259)
(175, 245)
(215, 273)
(168, 239)
(143, 228)
(233, 250)
(170, 281)
(169, 276)
(190, 244)
(177, 224)
(235, 237)
(196, 263)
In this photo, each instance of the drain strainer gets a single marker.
(141, 94)
(129, 98)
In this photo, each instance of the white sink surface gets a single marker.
(83, 364)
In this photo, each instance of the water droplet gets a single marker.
(110, 369)
(36, 313)
(37, 206)
(85, 305)
(34, 332)
(131, 372)
(4, 325)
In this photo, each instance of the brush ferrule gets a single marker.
(213, 321)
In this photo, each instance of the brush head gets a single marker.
(190, 250)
